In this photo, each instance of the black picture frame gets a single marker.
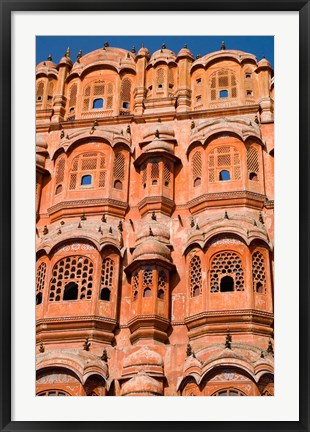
(7, 7)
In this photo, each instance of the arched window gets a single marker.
(197, 168)
(252, 164)
(226, 273)
(161, 285)
(167, 171)
(228, 392)
(72, 279)
(40, 281)
(223, 85)
(119, 171)
(155, 173)
(86, 180)
(86, 169)
(125, 94)
(53, 393)
(147, 282)
(60, 175)
(72, 97)
(258, 273)
(224, 164)
(160, 79)
(135, 286)
(98, 103)
(98, 95)
(40, 91)
(107, 279)
(195, 276)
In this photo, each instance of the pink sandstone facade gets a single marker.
(154, 224)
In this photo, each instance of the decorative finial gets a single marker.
(106, 44)
(262, 355)
(79, 225)
(133, 50)
(50, 58)
(45, 230)
(67, 53)
(189, 350)
(86, 345)
(104, 356)
(197, 226)
(83, 217)
(192, 124)
(226, 215)
(110, 230)
(128, 55)
(263, 56)
(120, 226)
(261, 219)
(256, 119)
(223, 47)
(59, 231)
(128, 130)
(62, 134)
(99, 229)
(270, 348)
(153, 217)
(163, 46)
(95, 123)
(150, 232)
(62, 222)
(228, 341)
(157, 133)
(198, 56)
(92, 130)
(192, 223)
(41, 349)
(104, 219)
(185, 46)
(79, 56)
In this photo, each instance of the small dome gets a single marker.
(160, 145)
(143, 52)
(192, 362)
(151, 248)
(48, 64)
(158, 230)
(185, 52)
(142, 383)
(163, 54)
(143, 356)
(264, 63)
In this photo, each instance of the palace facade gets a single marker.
(154, 209)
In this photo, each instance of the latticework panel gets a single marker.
(147, 281)
(135, 285)
(224, 158)
(171, 77)
(40, 277)
(161, 285)
(75, 269)
(102, 179)
(89, 164)
(107, 271)
(195, 275)
(223, 80)
(50, 90)
(226, 264)
(73, 94)
(92, 163)
(167, 173)
(119, 167)
(98, 90)
(160, 77)
(86, 104)
(60, 171)
(197, 165)
(155, 170)
(72, 183)
(143, 174)
(258, 272)
(126, 90)
(87, 91)
(40, 89)
(252, 160)
(109, 102)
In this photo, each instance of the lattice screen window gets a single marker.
(135, 286)
(40, 281)
(226, 273)
(167, 174)
(160, 79)
(224, 164)
(60, 174)
(125, 93)
(147, 282)
(144, 175)
(88, 164)
(72, 98)
(258, 273)
(50, 92)
(195, 275)
(155, 173)
(107, 281)
(248, 81)
(118, 171)
(72, 279)
(252, 164)
(40, 91)
(223, 85)
(161, 285)
(98, 94)
(170, 80)
(197, 168)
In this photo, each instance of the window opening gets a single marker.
(227, 284)
(226, 264)
(223, 94)
(224, 175)
(86, 180)
(107, 279)
(105, 294)
(195, 276)
(71, 291)
(98, 103)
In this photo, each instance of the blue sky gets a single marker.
(57, 45)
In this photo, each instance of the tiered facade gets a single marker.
(154, 224)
